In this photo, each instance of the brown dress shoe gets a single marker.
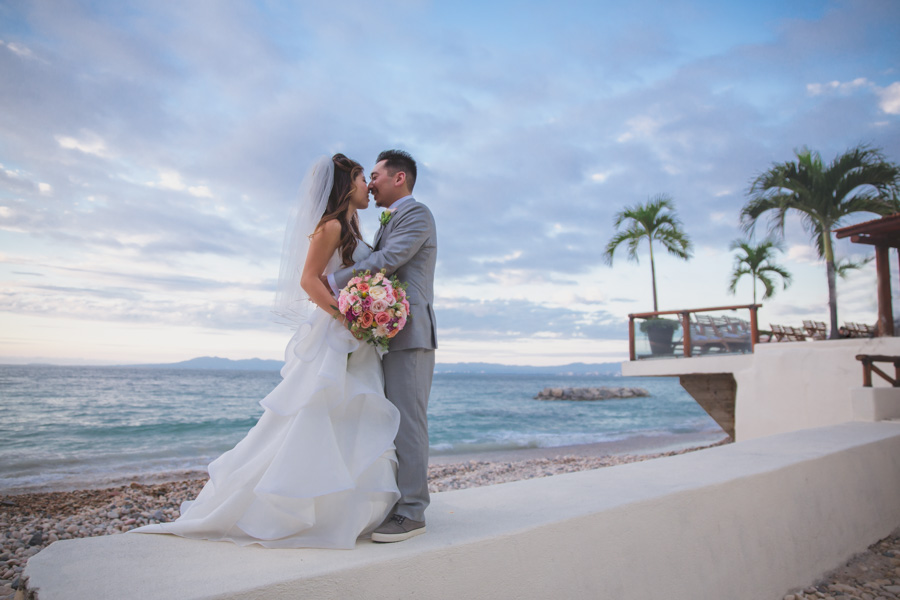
(397, 528)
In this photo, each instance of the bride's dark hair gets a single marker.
(345, 171)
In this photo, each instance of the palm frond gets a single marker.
(843, 266)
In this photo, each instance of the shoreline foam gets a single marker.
(639, 445)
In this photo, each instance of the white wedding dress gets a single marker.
(319, 468)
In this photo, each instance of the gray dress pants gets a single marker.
(407, 383)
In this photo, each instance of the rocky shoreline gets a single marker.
(591, 393)
(30, 522)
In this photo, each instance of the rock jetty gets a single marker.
(591, 393)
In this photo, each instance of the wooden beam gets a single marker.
(887, 242)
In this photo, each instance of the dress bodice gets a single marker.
(361, 252)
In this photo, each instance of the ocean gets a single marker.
(78, 427)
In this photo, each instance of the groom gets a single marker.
(406, 246)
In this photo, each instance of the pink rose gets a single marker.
(382, 318)
(379, 306)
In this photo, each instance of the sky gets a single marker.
(150, 153)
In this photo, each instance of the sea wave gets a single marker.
(515, 440)
(91, 427)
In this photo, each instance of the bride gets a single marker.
(319, 468)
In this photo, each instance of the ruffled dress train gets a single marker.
(319, 468)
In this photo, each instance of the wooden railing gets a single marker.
(724, 341)
(869, 367)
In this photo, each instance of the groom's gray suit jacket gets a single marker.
(407, 247)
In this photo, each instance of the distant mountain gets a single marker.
(214, 362)
(258, 364)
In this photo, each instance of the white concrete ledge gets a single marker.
(749, 520)
(875, 404)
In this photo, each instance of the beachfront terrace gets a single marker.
(694, 331)
(718, 330)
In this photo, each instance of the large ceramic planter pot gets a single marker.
(660, 333)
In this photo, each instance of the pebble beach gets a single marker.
(30, 522)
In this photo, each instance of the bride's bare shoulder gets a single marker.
(329, 231)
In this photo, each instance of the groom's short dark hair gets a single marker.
(399, 160)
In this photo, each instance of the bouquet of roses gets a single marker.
(375, 306)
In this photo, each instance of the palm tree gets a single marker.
(654, 220)
(843, 266)
(758, 262)
(860, 180)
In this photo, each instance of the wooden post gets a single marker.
(885, 325)
(686, 333)
(631, 355)
(867, 371)
(754, 327)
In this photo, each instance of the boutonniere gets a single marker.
(385, 217)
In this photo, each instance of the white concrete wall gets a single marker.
(785, 386)
(745, 521)
(800, 385)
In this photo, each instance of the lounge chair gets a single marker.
(857, 330)
(816, 329)
(794, 334)
(736, 332)
(787, 333)
(777, 331)
(719, 333)
(705, 336)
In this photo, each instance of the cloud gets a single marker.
(126, 306)
(890, 99)
(169, 179)
(515, 318)
(18, 49)
(640, 127)
(802, 253)
(90, 143)
(816, 89)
